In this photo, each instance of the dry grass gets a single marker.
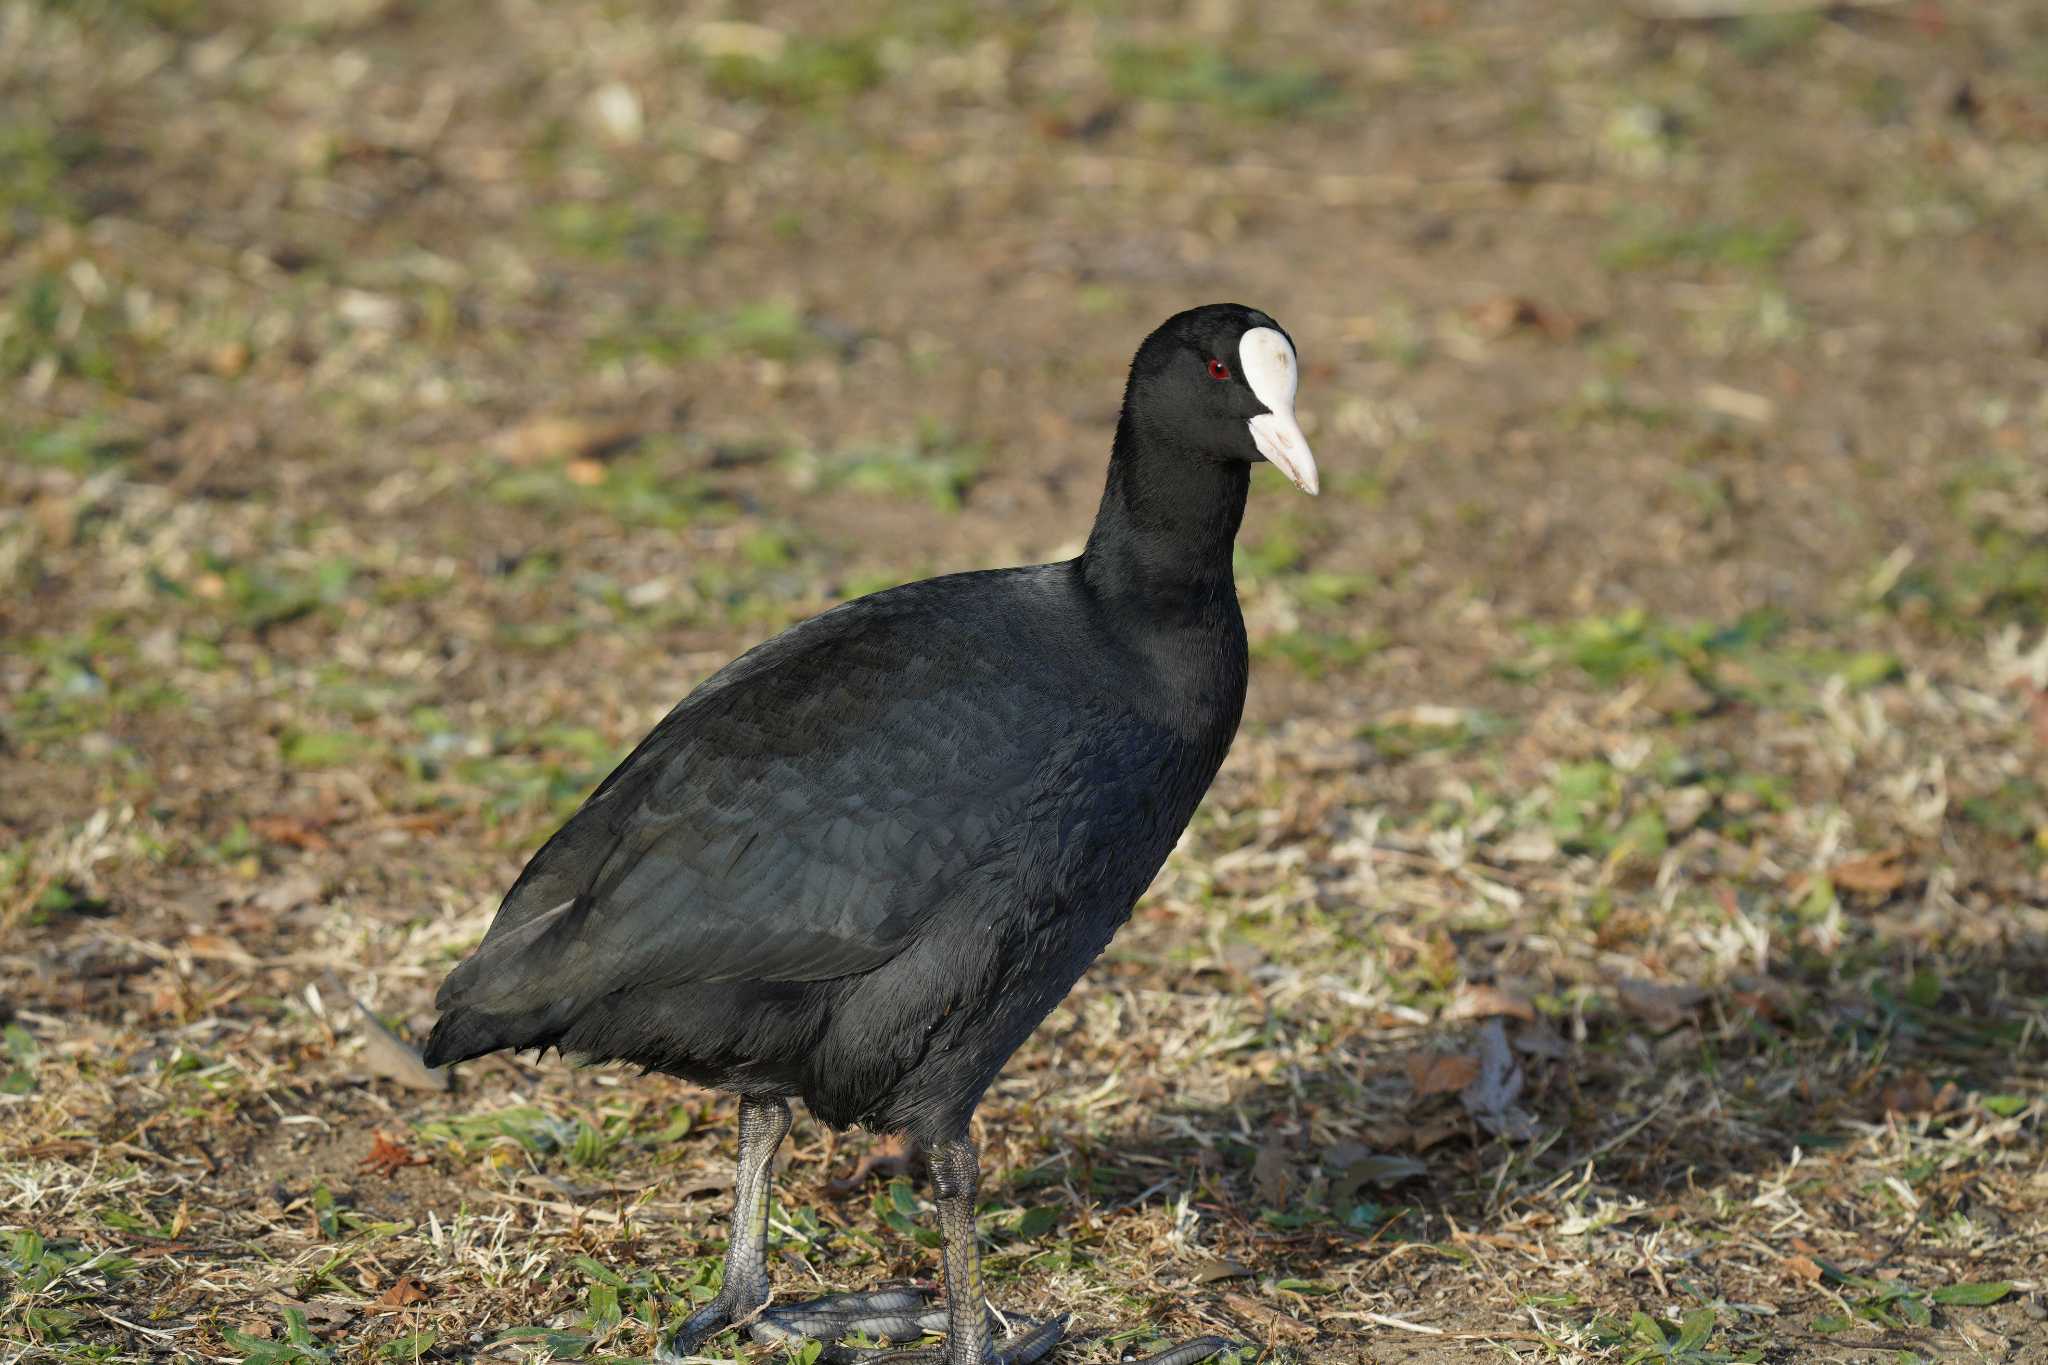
(405, 404)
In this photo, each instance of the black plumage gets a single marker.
(861, 863)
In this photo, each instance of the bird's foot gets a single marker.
(897, 1316)
(731, 1308)
(1188, 1352)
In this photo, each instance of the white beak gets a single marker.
(1266, 359)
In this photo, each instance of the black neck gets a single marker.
(1163, 535)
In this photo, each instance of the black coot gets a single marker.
(865, 859)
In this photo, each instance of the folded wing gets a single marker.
(795, 819)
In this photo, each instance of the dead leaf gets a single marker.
(1352, 1168)
(1873, 874)
(1741, 404)
(1441, 1074)
(229, 359)
(286, 894)
(1539, 1040)
(1382, 1170)
(1490, 1099)
(391, 1057)
(1501, 1240)
(1504, 313)
(889, 1157)
(1910, 1093)
(218, 948)
(283, 829)
(1212, 1271)
(1483, 1002)
(388, 1156)
(1801, 1268)
(1272, 1319)
(58, 517)
(404, 1292)
(554, 437)
(421, 822)
(1654, 1003)
(1273, 1175)
(1430, 1134)
(584, 473)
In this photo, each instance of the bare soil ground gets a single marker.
(405, 403)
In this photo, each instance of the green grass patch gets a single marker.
(1654, 242)
(1747, 659)
(1422, 732)
(650, 486)
(531, 1129)
(1184, 73)
(47, 1283)
(606, 230)
(2005, 580)
(36, 162)
(302, 748)
(86, 445)
(1764, 38)
(47, 321)
(1316, 653)
(804, 73)
(933, 467)
(772, 329)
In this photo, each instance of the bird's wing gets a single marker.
(794, 819)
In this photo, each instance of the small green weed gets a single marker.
(1648, 1340)
(1316, 653)
(86, 445)
(1741, 246)
(45, 1282)
(803, 73)
(1895, 1305)
(608, 230)
(1744, 660)
(1764, 38)
(36, 161)
(52, 321)
(22, 1055)
(773, 329)
(533, 1130)
(649, 486)
(897, 1207)
(298, 1347)
(1193, 74)
(935, 467)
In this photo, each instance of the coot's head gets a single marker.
(1218, 381)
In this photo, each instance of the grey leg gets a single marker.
(763, 1126)
(904, 1314)
(901, 1315)
(956, 1181)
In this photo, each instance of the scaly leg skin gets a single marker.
(904, 1314)
(763, 1126)
(895, 1314)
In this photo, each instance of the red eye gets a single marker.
(1218, 370)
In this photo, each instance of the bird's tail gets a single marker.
(461, 1034)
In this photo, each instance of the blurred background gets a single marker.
(1620, 927)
